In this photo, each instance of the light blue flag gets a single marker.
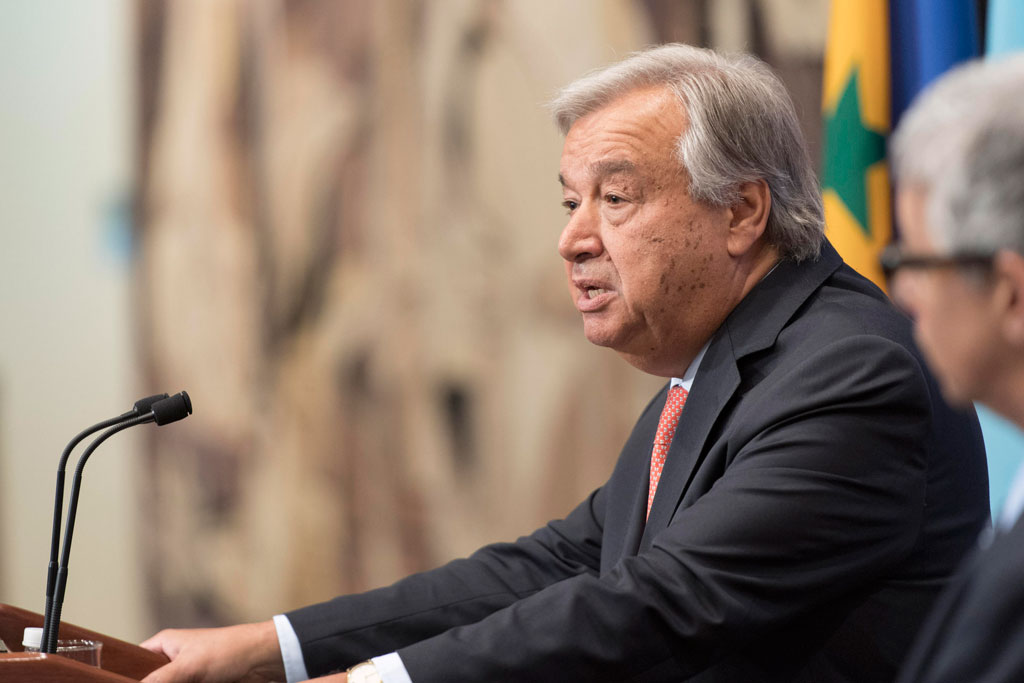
(1004, 444)
(1005, 27)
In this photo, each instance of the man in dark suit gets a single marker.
(959, 158)
(786, 508)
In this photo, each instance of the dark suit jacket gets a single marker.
(976, 631)
(816, 497)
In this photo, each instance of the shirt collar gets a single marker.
(686, 381)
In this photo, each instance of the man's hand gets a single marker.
(333, 678)
(247, 652)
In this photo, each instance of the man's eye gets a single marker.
(570, 205)
(613, 199)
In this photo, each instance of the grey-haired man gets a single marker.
(959, 268)
(786, 508)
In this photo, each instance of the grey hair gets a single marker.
(742, 128)
(962, 144)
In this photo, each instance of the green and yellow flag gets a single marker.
(856, 107)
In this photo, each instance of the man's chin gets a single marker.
(608, 336)
(596, 332)
(600, 340)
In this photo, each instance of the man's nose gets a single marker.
(581, 238)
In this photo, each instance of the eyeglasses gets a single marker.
(894, 259)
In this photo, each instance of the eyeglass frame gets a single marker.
(894, 259)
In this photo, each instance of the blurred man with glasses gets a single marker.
(959, 271)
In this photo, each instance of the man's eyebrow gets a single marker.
(612, 167)
(606, 168)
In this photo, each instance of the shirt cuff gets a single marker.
(291, 651)
(390, 668)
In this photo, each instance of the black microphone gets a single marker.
(171, 409)
(141, 407)
(160, 408)
(144, 405)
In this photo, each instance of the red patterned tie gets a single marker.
(663, 438)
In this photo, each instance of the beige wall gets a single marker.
(65, 351)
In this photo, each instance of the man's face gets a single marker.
(647, 266)
(955, 323)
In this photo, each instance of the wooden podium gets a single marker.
(122, 662)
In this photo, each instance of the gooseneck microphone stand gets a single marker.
(142, 406)
(162, 409)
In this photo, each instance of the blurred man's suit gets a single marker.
(817, 495)
(976, 632)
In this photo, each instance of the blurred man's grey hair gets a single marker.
(962, 145)
(742, 127)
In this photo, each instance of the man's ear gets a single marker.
(1008, 269)
(748, 217)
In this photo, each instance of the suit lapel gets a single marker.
(752, 326)
(639, 447)
(715, 383)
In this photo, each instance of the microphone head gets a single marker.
(172, 409)
(144, 405)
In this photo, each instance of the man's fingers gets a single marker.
(170, 643)
(154, 644)
(247, 652)
(167, 642)
(169, 673)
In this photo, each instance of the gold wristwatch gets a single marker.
(364, 672)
